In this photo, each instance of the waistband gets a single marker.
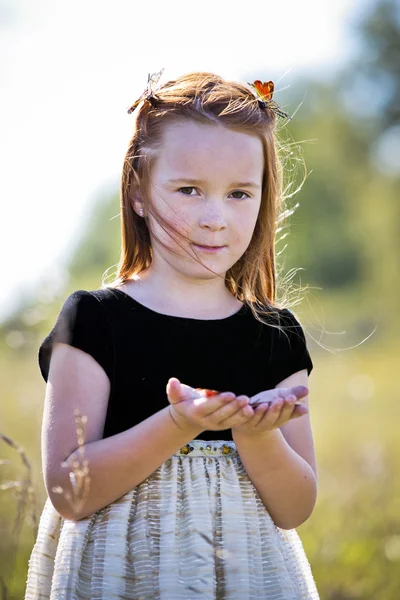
(208, 448)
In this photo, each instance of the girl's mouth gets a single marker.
(208, 249)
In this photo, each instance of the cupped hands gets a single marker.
(216, 411)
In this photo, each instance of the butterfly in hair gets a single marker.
(148, 94)
(264, 92)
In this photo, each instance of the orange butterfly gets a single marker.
(264, 92)
(207, 392)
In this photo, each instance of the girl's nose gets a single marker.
(213, 218)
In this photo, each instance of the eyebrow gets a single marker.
(251, 184)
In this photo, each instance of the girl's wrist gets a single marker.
(182, 426)
(252, 435)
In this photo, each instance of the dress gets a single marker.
(196, 527)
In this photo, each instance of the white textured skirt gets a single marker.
(195, 529)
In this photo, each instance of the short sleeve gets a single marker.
(290, 351)
(82, 323)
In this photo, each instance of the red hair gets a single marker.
(205, 98)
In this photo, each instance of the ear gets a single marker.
(136, 200)
(137, 206)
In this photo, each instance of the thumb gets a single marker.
(174, 390)
(297, 391)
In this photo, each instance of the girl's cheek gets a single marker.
(179, 224)
(179, 220)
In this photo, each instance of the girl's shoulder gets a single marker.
(82, 323)
(277, 316)
(289, 345)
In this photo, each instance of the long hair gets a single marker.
(205, 98)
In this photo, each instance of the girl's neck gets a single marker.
(207, 299)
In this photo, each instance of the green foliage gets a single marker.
(378, 65)
(354, 532)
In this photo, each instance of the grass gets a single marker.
(79, 475)
(26, 508)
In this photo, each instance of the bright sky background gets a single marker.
(68, 72)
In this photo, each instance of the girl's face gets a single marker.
(207, 182)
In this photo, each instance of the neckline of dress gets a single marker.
(182, 319)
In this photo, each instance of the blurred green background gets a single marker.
(345, 236)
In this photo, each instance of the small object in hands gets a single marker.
(264, 92)
(148, 94)
(258, 401)
(206, 392)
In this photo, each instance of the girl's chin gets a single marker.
(192, 268)
(213, 260)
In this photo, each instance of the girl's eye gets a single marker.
(187, 190)
(240, 196)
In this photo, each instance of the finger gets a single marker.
(260, 411)
(290, 410)
(298, 391)
(243, 416)
(209, 405)
(256, 400)
(299, 410)
(174, 390)
(188, 392)
(287, 410)
(272, 415)
(239, 406)
(180, 391)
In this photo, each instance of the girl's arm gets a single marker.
(116, 464)
(281, 464)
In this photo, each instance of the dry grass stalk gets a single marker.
(26, 496)
(4, 592)
(79, 474)
(24, 489)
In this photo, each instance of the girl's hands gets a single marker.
(216, 411)
(206, 409)
(274, 408)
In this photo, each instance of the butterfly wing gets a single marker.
(266, 89)
(153, 80)
(263, 90)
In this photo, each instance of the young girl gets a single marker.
(191, 381)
